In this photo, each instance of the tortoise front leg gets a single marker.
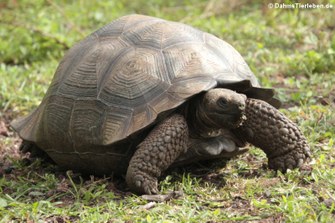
(156, 153)
(279, 137)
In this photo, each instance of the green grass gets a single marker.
(290, 50)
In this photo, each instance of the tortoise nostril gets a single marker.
(241, 107)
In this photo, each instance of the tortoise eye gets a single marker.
(222, 102)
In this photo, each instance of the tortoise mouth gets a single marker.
(236, 120)
(241, 120)
(232, 119)
(234, 116)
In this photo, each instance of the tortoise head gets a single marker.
(222, 108)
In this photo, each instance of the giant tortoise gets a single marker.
(141, 94)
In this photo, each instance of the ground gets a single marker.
(289, 49)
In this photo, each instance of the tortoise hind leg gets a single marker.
(34, 150)
(156, 153)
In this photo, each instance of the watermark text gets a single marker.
(300, 6)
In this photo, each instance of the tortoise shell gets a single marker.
(116, 83)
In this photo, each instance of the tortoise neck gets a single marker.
(200, 125)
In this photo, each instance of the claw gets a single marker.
(138, 183)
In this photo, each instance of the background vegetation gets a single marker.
(292, 50)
